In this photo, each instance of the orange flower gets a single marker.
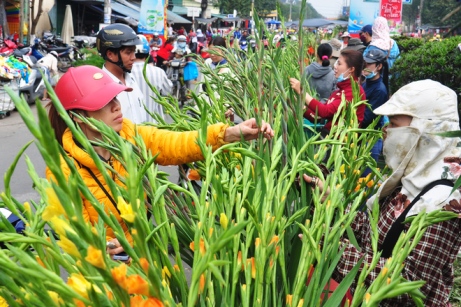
(119, 275)
(139, 301)
(251, 262)
(135, 284)
(40, 261)
(274, 240)
(144, 264)
(310, 50)
(201, 244)
(193, 175)
(201, 285)
(94, 257)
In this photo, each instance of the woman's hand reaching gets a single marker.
(314, 181)
(249, 130)
(295, 85)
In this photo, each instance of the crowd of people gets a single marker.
(117, 95)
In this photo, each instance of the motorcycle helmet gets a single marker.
(116, 36)
(181, 38)
(87, 88)
(144, 47)
(155, 34)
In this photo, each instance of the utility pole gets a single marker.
(252, 17)
(421, 13)
(107, 12)
(291, 4)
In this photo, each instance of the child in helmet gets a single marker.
(91, 92)
(116, 43)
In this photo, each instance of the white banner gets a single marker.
(152, 17)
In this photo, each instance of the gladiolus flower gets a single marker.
(54, 296)
(144, 264)
(244, 287)
(367, 297)
(68, 247)
(95, 258)
(79, 284)
(119, 274)
(201, 285)
(139, 301)
(301, 303)
(166, 272)
(3, 302)
(202, 246)
(61, 226)
(176, 268)
(342, 169)
(135, 284)
(223, 220)
(210, 232)
(388, 280)
(54, 207)
(251, 262)
(239, 260)
(289, 299)
(274, 240)
(310, 50)
(126, 210)
(257, 242)
(384, 271)
(370, 183)
(27, 207)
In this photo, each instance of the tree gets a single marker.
(296, 10)
(243, 7)
(265, 7)
(36, 13)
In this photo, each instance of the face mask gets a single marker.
(182, 44)
(370, 75)
(399, 146)
(341, 77)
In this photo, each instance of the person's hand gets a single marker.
(114, 247)
(295, 85)
(249, 130)
(229, 114)
(314, 181)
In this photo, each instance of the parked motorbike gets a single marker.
(7, 47)
(33, 87)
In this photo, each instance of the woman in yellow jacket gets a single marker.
(89, 91)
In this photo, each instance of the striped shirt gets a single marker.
(159, 80)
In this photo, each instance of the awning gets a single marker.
(120, 10)
(181, 10)
(231, 19)
(219, 15)
(205, 20)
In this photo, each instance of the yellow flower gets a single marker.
(61, 226)
(388, 280)
(223, 220)
(3, 302)
(342, 169)
(210, 232)
(55, 297)
(79, 284)
(289, 299)
(244, 287)
(94, 257)
(69, 247)
(257, 242)
(27, 207)
(176, 268)
(301, 303)
(166, 272)
(384, 271)
(370, 183)
(367, 297)
(126, 210)
(54, 207)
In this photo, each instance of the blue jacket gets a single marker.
(376, 94)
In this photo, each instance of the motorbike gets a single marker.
(32, 87)
(175, 73)
(7, 47)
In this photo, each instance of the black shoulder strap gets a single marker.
(397, 227)
(102, 187)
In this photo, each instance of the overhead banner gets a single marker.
(392, 11)
(152, 17)
(362, 12)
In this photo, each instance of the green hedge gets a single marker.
(92, 58)
(437, 60)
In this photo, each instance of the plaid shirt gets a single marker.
(431, 260)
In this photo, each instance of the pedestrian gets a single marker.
(201, 39)
(336, 47)
(156, 41)
(92, 93)
(355, 44)
(156, 76)
(319, 75)
(49, 63)
(418, 157)
(348, 69)
(377, 94)
(366, 34)
(381, 40)
(116, 44)
(345, 37)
